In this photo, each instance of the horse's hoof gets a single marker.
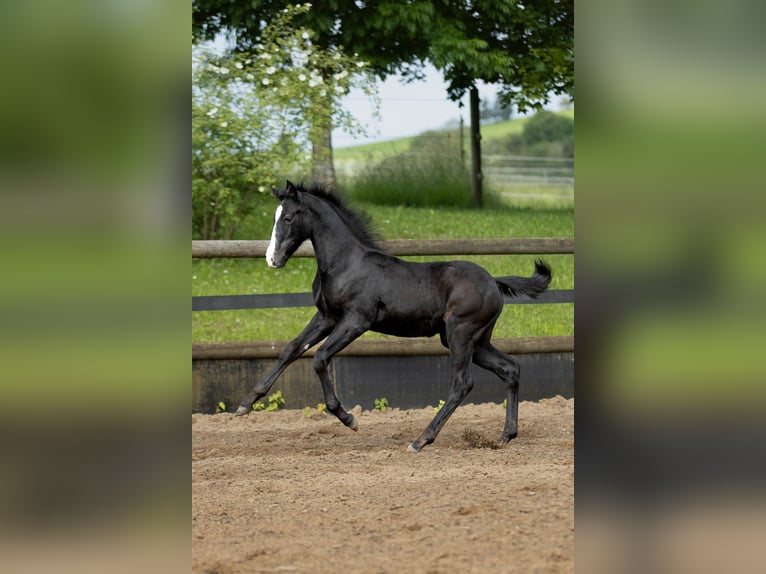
(413, 448)
(352, 424)
(242, 410)
(506, 438)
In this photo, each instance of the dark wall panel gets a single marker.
(407, 382)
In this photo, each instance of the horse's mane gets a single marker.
(358, 222)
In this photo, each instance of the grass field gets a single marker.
(504, 216)
(239, 277)
(382, 150)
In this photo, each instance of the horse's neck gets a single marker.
(334, 243)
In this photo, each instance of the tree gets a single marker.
(255, 111)
(525, 47)
(546, 127)
(389, 36)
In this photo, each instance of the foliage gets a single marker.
(430, 173)
(547, 127)
(274, 401)
(365, 28)
(527, 48)
(254, 113)
(544, 134)
(321, 408)
(381, 404)
(490, 135)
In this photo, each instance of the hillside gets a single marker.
(382, 150)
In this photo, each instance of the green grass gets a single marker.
(373, 151)
(382, 150)
(517, 216)
(237, 277)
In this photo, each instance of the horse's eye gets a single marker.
(287, 219)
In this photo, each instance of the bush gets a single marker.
(545, 134)
(546, 127)
(254, 114)
(429, 174)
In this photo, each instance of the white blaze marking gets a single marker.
(273, 243)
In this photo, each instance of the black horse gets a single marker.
(359, 287)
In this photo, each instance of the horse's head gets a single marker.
(291, 226)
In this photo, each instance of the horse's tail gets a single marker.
(530, 286)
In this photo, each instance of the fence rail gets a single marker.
(379, 348)
(257, 249)
(221, 370)
(401, 247)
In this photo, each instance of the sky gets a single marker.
(406, 109)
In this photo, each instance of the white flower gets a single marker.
(212, 112)
(360, 64)
(224, 71)
(261, 189)
(265, 56)
(270, 70)
(340, 75)
(238, 65)
(305, 35)
(302, 77)
(224, 124)
(265, 81)
(339, 89)
(249, 77)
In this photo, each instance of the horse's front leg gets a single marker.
(315, 331)
(348, 329)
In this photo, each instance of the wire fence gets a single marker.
(500, 170)
(529, 170)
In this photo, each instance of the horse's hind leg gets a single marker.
(461, 348)
(507, 368)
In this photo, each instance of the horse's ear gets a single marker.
(291, 191)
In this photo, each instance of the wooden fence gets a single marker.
(401, 247)
(410, 371)
(432, 247)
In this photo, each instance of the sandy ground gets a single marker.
(282, 492)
